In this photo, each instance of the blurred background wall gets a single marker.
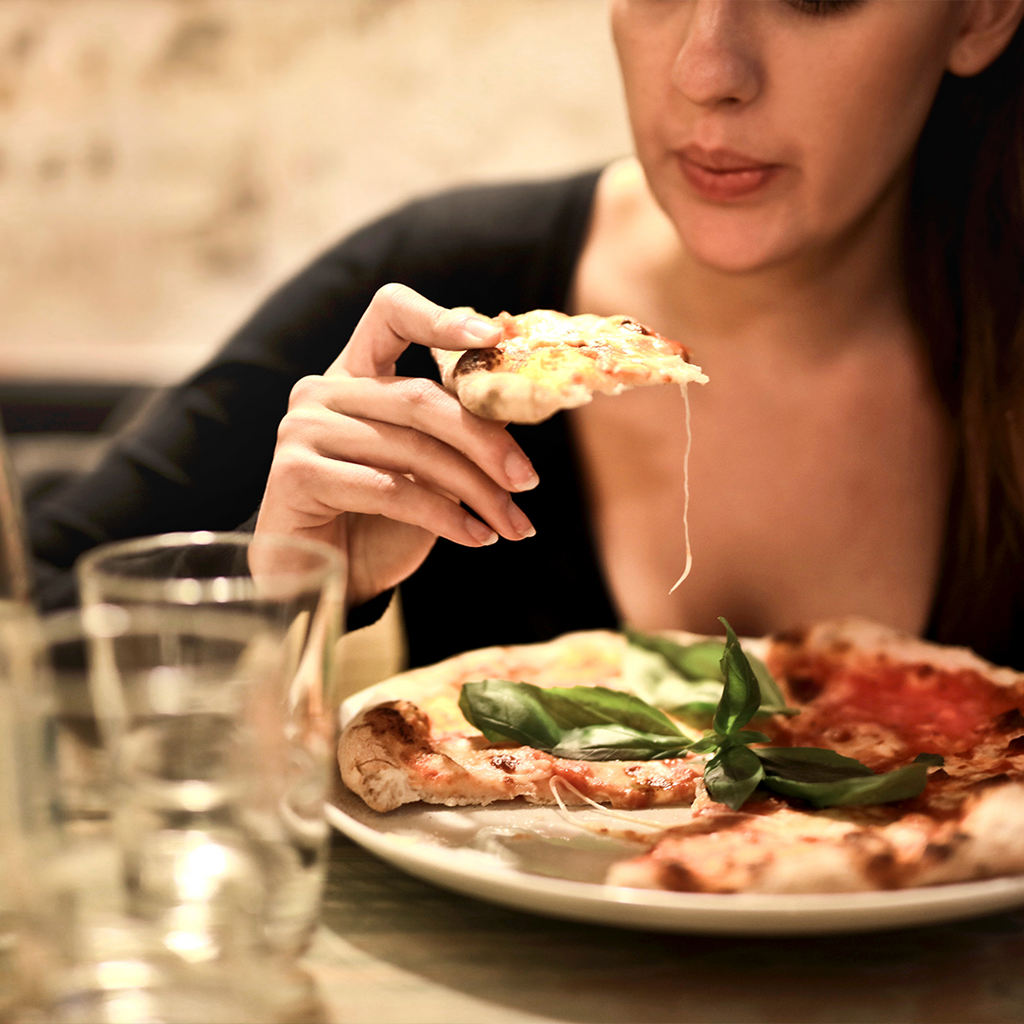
(164, 163)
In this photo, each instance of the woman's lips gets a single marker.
(720, 175)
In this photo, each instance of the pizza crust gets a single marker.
(509, 398)
(785, 850)
(864, 638)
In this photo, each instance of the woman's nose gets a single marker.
(717, 63)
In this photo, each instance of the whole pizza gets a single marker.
(839, 758)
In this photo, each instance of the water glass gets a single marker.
(28, 824)
(96, 959)
(211, 663)
(21, 777)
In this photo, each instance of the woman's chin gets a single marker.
(735, 241)
(743, 254)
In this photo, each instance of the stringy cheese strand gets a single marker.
(686, 492)
(567, 816)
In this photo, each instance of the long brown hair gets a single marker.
(965, 274)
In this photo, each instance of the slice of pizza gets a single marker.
(774, 846)
(547, 361)
(882, 697)
(413, 743)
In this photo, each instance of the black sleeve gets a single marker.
(200, 459)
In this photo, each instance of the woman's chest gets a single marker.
(796, 504)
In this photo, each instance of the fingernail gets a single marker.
(480, 532)
(520, 471)
(478, 329)
(519, 522)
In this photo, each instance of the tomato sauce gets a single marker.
(925, 707)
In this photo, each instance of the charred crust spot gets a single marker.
(389, 720)
(1010, 721)
(678, 878)
(478, 359)
(637, 773)
(881, 868)
(504, 762)
(632, 325)
(804, 688)
(876, 856)
(939, 852)
(1015, 746)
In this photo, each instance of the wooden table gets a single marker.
(396, 950)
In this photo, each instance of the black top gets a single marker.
(201, 459)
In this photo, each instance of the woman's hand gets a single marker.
(378, 465)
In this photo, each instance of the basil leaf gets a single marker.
(935, 760)
(539, 716)
(900, 784)
(686, 679)
(750, 736)
(699, 661)
(576, 706)
(732, 775)
(772, 700)
(647, 674)
(810, 764)
(706, 745)
(618, 743)
(503, 710)
(742, 695)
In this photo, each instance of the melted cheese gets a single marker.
(686, 493)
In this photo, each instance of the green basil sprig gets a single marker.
(686, 680)
(822, 777)
(594, 723)
(586, 723)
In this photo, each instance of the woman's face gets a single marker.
(770, 128)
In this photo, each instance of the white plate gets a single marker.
(507, 854)
(532, 858)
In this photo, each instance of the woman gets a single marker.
(805, 212)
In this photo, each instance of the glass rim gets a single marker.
(91, 563)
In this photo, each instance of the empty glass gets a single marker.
(211, 660)
(98, 959)
(25, 822)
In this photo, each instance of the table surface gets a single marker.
(396, 950)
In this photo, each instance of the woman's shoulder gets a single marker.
(497, 215)
(493, 245)
(530, 196)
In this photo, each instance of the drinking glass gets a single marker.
(211, 664)
(24, 819)
(98, 960)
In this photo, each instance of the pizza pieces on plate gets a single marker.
(413, 743)
(861, 690)
(547, 361)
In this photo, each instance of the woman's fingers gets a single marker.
(370, 490)
(396, 317)
(405, 474)
(380, 465)
(423, 406)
